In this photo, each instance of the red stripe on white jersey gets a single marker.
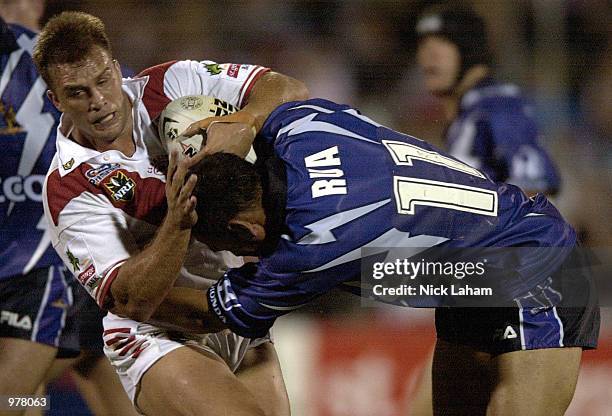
(148, 203)
(106, 284)
(249, 83)
(62, 190)
(115, 330)
(154, 98)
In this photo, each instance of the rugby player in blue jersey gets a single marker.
(330, 182)
(491, 125)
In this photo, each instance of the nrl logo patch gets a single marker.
(121, 187)
(213, 69)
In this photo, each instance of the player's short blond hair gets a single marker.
(67, 38)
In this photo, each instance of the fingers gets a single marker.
(202, 125)
(199, 127)
(187, 189)
(171, 166)
(177, 172)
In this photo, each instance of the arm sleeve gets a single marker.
(92, 239)
(529, 166)
(248, 301)
(232, 83)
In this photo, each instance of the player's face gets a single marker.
(89, 93)
(440, 62)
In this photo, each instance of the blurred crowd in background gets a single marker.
(363, 53)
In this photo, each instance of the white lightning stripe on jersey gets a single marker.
(462, 147)
(11, 65)
(354, 113)
(296, 123)
(282, 308)
(321, 230)
(312, 107)
(44, 242)
(39, 126)
(321, 126)
(393, 238)
(27, 43)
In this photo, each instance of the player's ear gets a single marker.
(53, 98)
(117, 67)
(247, 231)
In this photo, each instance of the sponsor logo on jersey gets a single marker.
(97, 175)
(121, 187)
(12, 319)
(74, 261)
(20, 188)
(233, 70)
(212, 296)
(68, 164)
(89, 278)
(213, 69)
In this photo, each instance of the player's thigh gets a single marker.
(34, 309)
(187, 381)
(260, 371)
(23, 365)
(534, 382)
(461, 380)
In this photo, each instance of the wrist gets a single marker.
(172, 227)
(254, 118)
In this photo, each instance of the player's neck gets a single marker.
(472, 77)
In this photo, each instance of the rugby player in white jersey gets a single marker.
(123, 227)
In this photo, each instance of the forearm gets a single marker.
(186, 309)
(146, 278)
(272, 90)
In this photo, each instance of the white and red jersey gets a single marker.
(103, 207)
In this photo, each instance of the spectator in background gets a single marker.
(39, 329)
(491, 125)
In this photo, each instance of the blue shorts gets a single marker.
(36, 306)
(540, 320)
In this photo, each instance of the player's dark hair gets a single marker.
(67, 38)
(227, 185)
(462, 26)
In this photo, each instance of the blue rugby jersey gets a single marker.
(352, 183)
(28, 123)
(495, 131)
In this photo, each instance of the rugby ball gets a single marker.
(181, 113)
